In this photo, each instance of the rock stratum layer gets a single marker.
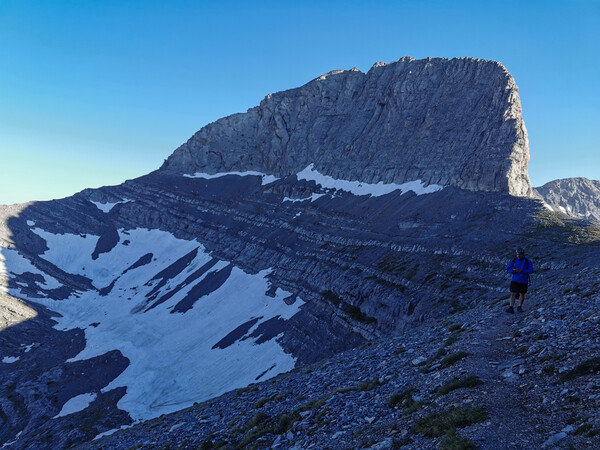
(449, 122)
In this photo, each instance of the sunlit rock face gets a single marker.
(449, 122)
(576, 197)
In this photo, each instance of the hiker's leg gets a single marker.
(513, 296)
(521, 299)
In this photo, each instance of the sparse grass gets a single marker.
(451, 340)
(366, 385)
(587, 367)
(458, 383)
(249, 388)
(455, 327)
(438, 424)
(261, 402)
(453, 358)
(399, 443)
(405, 400)
(261, 424)
(583, 429)
(454, 441)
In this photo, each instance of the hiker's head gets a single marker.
(520, 252)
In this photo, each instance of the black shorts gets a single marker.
(519, 288)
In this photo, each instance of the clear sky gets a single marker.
(96, 92)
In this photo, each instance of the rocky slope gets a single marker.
(529, 380)
(576, 197)
(450, 122)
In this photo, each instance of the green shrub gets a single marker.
(454, 441)
(438, 424)
(453, 358)
(458, 383)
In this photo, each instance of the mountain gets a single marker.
(307, 227)
(449, 122)
(576, 197)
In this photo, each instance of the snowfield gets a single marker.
(192, 327)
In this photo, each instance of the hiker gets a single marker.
(520, 268)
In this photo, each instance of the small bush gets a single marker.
(438, 424)
(455, 327)
(458, 383)
(454, 441)
(453, 358)
(451, 340)
(405, 400)
(261, 402)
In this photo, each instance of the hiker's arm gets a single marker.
(510, 268)
(528, 268)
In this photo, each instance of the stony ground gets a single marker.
(480, 378)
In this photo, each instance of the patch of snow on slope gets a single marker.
(172, 360)
(312, 198)
(106, 207)
(266, 179)
(73, 253)
(360, 188)
(13, 262)
(76, 404)
(10, 359)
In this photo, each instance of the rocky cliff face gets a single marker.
(449, 122)
(576, 197)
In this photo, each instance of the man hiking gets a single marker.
(520, 268)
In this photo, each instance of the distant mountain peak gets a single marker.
(577, 197)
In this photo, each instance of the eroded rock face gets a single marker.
(450, 122)
(576, 197)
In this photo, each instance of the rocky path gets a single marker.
(497, 362)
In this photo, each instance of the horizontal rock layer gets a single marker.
(450, 122)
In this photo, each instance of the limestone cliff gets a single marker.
(450, 122)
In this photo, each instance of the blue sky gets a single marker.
(95, 92)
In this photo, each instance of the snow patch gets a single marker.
(31, 223)
(8, 444)
(266, 179)
(13, 262)
(360, 188)
(10, 359)
(172, 360)
(76, 404)
(312, 198)
(107, 206)
(113, 431)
